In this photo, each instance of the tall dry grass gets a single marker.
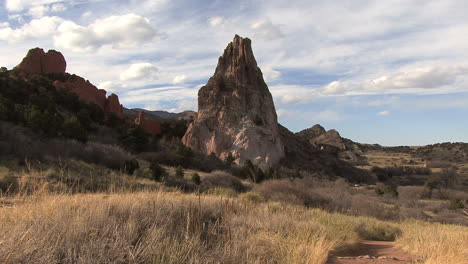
(171, 227)
(435, 243)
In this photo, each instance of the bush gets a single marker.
(222, 179)
(73, 129)
(195, 178)
(456, 204)
(157, 171)
(179, 173)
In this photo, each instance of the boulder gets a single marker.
(236, 113)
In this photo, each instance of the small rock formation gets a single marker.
(151, 127)
(332, 142)
(236, 113)
(113, 106)
(38, 62)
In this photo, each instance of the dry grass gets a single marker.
(172, 227)
(435, 243)
(162, 227)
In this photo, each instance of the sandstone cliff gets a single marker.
(236, 113)
(38, 62)
(151, 127)
(53, 63)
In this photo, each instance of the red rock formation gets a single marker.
(151, 127)
(38, 62)
(113, 106)
(85, 90)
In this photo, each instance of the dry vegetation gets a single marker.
(172, 227)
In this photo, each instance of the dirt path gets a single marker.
(371, 252)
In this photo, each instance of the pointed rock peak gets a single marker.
(236, 113)
(37, 62)
(318, 129)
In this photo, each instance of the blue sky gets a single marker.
(388, 72)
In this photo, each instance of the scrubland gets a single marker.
(169, 226)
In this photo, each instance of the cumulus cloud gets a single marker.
(180, 79)
(266, 30)
(139, 71)
(37, 28)
(384, 113)
(129, 30)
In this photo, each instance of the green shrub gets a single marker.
(179, 173)
(158, 172)
(73, 129)
(195, 178)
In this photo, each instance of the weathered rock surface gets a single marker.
(236, 113)
(53, 63)
(38, 62)
(332, 142)
(151, 127)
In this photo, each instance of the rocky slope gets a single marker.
(53, 63)
(236, 113)
(332, 142)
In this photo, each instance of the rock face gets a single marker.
(236, 113)
(151, 127)
(332, 141)
(38, 62)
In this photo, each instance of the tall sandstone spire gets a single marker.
(236, 113)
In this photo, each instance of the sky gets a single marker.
(389, 72)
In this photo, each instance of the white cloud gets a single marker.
(384, 113)
(37, 28)
(266, 30)
(335, 87)
(216, 21)
(180, 79)
(139, 71)
(425, 78)
(35, 8)
(270, 74)
(111, 86)
(124, 31)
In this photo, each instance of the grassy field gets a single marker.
(173, 227)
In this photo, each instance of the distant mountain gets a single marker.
(160, 116)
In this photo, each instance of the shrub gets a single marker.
(157, 171)
(456, 204)
(195, 178)
(179, 173)
(73, 129)
(222, 179)
(230, 159)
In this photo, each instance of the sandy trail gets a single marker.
(371, 252)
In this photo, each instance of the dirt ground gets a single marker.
(371, 252)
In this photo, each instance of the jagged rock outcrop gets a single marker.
(38, 62)
(113, 106)
(151, 127)
(236, 113)
(331, 141)
(54, 64)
